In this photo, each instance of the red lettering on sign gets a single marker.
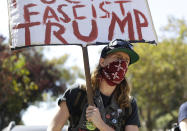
(74, 2)
(122, 24)
(104, 10)
(66, 17)
(14, 3)
(27, 14)
(48, 2)
(75, 12)
(92, 36)
(27, 30)
(58, 33)
(57, 20)
(139, 25)
(94, 12)
(121, 6)
(47, 16)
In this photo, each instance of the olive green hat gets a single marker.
(119, 45)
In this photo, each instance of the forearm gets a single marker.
(53, 128)
(59, 119)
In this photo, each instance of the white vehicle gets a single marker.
(13, 127)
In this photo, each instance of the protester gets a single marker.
(182, 119)
(114, 108)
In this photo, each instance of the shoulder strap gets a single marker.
(130, 106)
(81, 97)
(80, 101)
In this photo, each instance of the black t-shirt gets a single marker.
(70, 96)
(182, 112)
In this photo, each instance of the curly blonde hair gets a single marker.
(122, 91)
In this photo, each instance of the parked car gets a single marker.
(13, 127)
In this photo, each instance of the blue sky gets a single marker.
(160, 10)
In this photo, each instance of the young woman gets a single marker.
(114, 108)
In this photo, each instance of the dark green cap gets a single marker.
(119, 45)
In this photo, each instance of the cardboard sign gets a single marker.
(47, 22)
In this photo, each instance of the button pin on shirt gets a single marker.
(114, 121)
(119, 111)
(108, 116)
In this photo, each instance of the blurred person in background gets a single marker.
(182, 119)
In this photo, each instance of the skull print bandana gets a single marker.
(114, 72)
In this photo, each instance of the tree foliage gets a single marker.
(159, 79)
(25, 76)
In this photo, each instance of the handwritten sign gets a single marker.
(46, 22)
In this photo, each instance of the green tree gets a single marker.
(159, 79)
(25, 76)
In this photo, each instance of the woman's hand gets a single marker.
(93, 115)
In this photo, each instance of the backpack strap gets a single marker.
(112, 114)
(80, 102)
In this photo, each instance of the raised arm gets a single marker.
(60, 118)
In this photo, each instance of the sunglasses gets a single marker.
(118, 43)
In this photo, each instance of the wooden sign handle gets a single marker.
(88, 76)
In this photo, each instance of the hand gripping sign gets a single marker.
(78, 22)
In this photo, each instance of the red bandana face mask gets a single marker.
(114, 72)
